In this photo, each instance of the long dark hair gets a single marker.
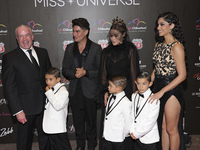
(176, 31)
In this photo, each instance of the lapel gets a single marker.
(118, 99)
(26, 60)
(75, 53)
(39, 57)
(143, 102)
(85, 52)
(136, 102)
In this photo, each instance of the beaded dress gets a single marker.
(165, 72)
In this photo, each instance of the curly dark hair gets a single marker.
(176, 31)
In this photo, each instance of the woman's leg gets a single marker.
(165, 136)
(170, 124)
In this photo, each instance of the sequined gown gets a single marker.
(165, 72)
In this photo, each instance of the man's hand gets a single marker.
(80, 72)
(21, 117)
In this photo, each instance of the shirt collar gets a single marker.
(120, 94)
(57, 86)
(87, 46)
(25, 50)
(147, 92)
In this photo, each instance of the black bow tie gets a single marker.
(113, 97)
(142, 95)
(52, 89)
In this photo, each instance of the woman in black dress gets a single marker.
(119, 58)
(169, 72)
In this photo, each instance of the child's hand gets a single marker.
(48, 88)
(133, 137)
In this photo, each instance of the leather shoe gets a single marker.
(80, 148)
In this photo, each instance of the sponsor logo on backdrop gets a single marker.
(3, 29)
(138, 43)
(62, 3)
(197, 64)
(6, 131)
(65, 43)
(196, 93)
(36, 27)
(142, 66)
(196, 76)
(103, 43)
(71, 129)
(102, 26)
(3, 101)
(198, 24)
(36, 44)
(2, 48)
(65, 27)
(137, 26)
(4, 114)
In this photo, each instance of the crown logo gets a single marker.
(119, 22)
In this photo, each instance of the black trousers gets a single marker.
(142, 146)
(108, 145)
(25, 133)
(59, 141)
(84, 112)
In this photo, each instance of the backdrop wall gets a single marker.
(50, 21)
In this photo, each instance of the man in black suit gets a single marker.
(24, 83)
(80, 65)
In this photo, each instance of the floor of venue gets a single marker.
(194, 145)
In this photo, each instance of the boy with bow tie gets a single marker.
(118, 115)
(56, 110)
(144, 114)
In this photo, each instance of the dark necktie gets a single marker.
(34, 62)
(109, 103)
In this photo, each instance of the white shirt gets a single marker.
(33, 53)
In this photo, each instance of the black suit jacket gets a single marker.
(22, 83)
(91, 64)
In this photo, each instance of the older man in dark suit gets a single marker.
(24, 83)
(80, 65)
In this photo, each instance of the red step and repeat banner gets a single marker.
(50, 21)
